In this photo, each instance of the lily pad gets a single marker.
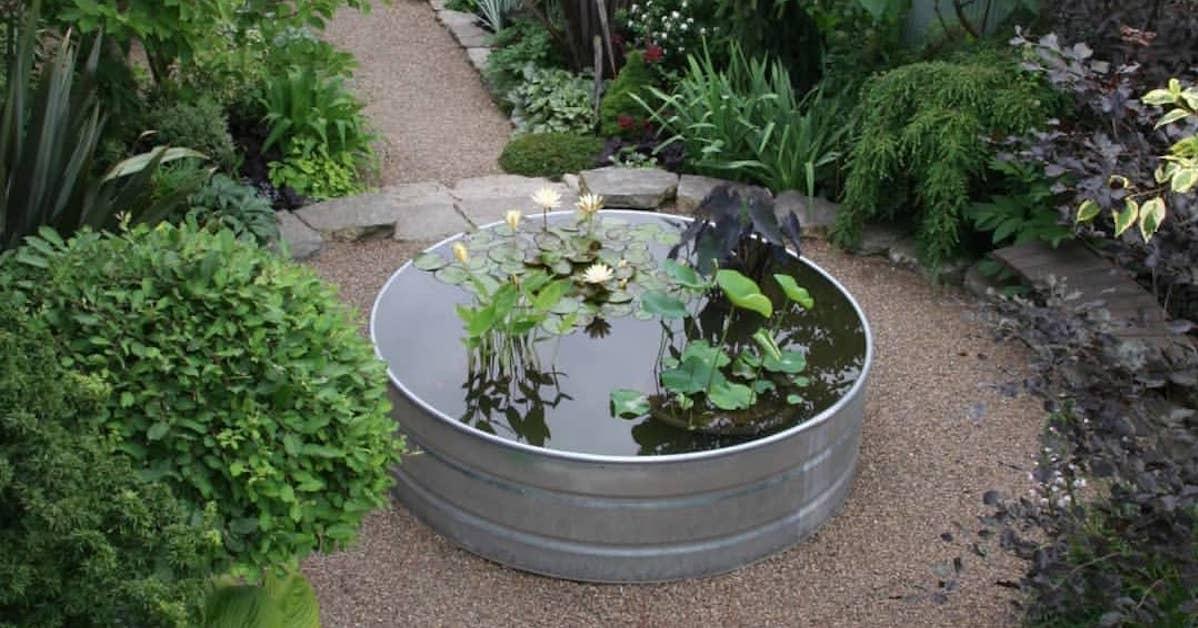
(663, 305)
(430, 262)
(453, 275)
(790, 362)
(730, 395)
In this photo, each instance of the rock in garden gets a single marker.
(632, 188)
(486, 199)
(302, 241)
(464, 29)
(694, 188)
(877, 240)
(816, 215)
(377, 213)
(478, 57)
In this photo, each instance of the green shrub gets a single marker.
(523, 43)
(549, 154)
(201, 126)
(313, 172)
(86, 543)
(237, 379)
(620, 114)
(552, 101)
(745, 121)
(921, 144)
(226, 204)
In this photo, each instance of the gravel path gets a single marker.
(929, 451)
(423, 97)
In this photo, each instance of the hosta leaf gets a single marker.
(1184, 180)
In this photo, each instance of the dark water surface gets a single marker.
(418, 334)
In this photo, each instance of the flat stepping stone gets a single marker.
(816, 215)
(632, 188)
(878, 240)
(1095, 279)
(464, 29)
(478, 57)
(302, 241)
(484, 200)
(420, 209)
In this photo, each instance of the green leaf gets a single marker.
(661, 304)
(1159, 97)
(794, 292)
(1126, 218)
(794, 399)
(743, 292)
(1184, 179)
(1152, 214)
(790, 362)
(628, 403)
(1173, 116)
(1087, 211)
(730, 396)
(157, 431)
(768, 345)
(684, 275)
(430, 262)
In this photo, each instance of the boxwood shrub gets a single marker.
(237, 378)
(549, 154)
(85, 541)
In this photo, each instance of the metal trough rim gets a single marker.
(823, 416)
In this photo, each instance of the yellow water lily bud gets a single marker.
(460, 253)
(512, 218)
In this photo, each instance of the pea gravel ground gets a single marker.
(435, 119)
(936, 437)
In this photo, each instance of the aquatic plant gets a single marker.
(715, 383)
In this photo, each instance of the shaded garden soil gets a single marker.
(936, 437)
(425, 100)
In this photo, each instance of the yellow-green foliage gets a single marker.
(921, 144)
(634, 80)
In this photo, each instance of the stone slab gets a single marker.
(571, 182)
(877, 240)
(816, 215)
(633, 188)
(487, 199)
(478, 57)
(465, 29)
(692, 189)
(302, 241)
(375, 213)
(438, 5)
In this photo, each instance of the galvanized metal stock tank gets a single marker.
(622, 518)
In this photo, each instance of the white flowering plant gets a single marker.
(668, 29)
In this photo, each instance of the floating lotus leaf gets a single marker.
(562, 267)
(629, 404)
(549, 241)
(430, 262)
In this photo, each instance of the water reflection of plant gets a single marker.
(521, 399)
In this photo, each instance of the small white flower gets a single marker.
(597, 273)
(588, 204)
(674, 14)
(512, 218)
(547, 197)
(683, 27)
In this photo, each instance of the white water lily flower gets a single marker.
(460, 253)
(588, 204)
(547, 197)
(598, 273)
(512, 218)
